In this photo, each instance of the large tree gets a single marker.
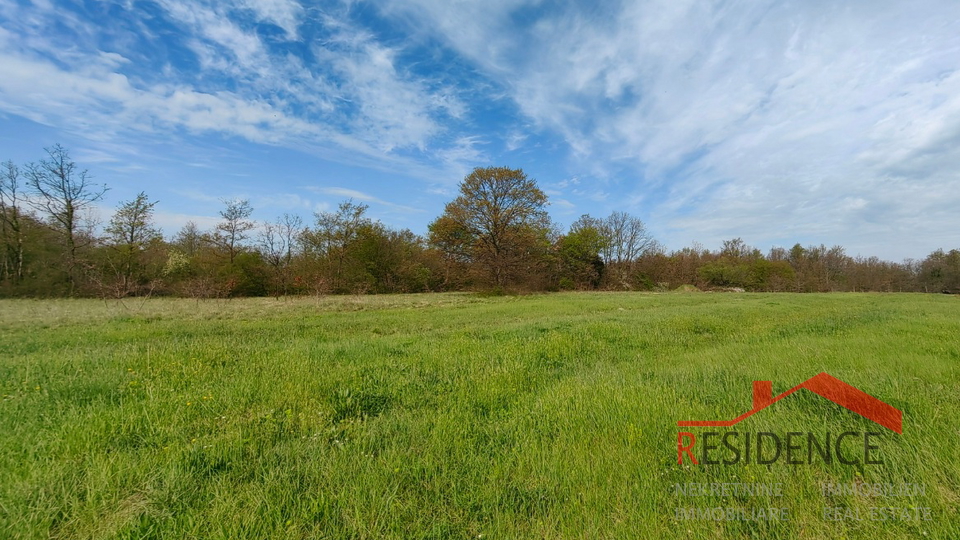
(62, 193)
(498, 223)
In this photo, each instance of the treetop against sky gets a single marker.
(772, 121)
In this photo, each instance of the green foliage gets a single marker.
(643, 282)
(178, 264)
(579, 252)
(43, 272)
(755, 275)
(495, 234)
(11, 225)
(231, 233)
(350, 253)
(131, 227)
(726, 273)
(498, 225)
(130, 235)
(246, 276)
(941, 272)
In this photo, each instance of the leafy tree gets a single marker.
(452, 238)
(132, 225)
(735, 249)
(940, 272)
(192, 262)
(246, 276)
(579, 251)
(498, 223)
(129, 233)
(189, 240)
(818, 268)
(232, 231)
(43, 274)
(348, 252)
(331, 242)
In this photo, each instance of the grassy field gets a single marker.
(456, 416)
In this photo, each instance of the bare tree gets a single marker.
(232, 231)
(277, 242)
(11, 230)
(627, 238)
(63, 193)
(735, 249)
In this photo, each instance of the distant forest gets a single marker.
(495, 236)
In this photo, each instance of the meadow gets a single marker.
(460, 416)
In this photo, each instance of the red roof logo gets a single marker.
(824, 385)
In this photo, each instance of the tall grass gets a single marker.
(455, 416)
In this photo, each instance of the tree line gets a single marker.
(496, 235)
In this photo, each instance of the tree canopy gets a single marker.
(497, 223)
(495, 235)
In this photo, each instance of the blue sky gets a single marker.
(777, 122)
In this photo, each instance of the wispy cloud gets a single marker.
(338, 92)
(564, 206)
(773, 121)
(286, 14)
(171, 222)
(740, 115)
(347, 193)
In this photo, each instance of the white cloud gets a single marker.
(393, 111)
(564, 206)
(350, 102)
(717, 119)
(284, 13)
(171, 222)
(283, 201)
(460, 157)
(515, 141)
(743, 115)
(347, 193)
(197, 195)
(98, 99)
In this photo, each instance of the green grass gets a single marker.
(456, 416)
